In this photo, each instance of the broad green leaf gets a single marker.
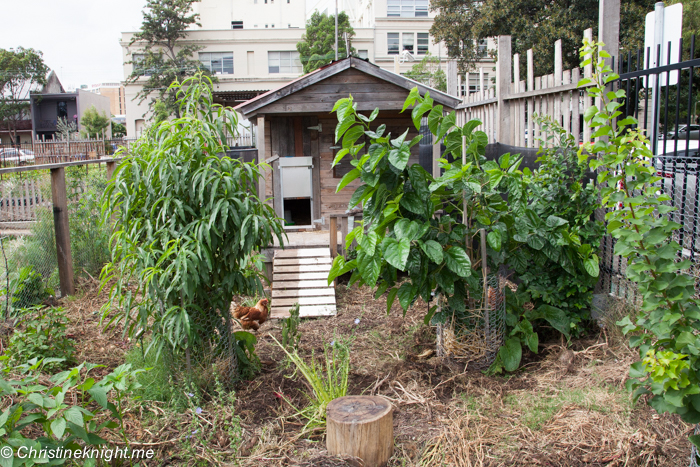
(399, 157)
(591, 265)
(348, 178)
(511, 352)
(433, 250)
(58, 427)
(396, 253)
(494, 239)
(458, 261)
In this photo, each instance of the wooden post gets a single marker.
(436, 157)
(60, 220)
(503, 80)
(334, 236)
(343, 234)
(361, 426)
(587, 73)
(111, 167)
(260, 145)
(609, 28)
(452, 78)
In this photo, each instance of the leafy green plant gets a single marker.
(328, 380)
(41, 334)
(403, 234)
(65, 413)
(187, 229)
(290, 329)
(28, 289)
(557, 263)
(666, 327)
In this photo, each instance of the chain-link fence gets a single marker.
(28, 266)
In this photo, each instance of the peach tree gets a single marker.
(187, 228)
(667, 326)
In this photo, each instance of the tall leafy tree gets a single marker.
(94, 123)
(428, 72)
(163, 57)
(20, 71)
(317, 45)
(533, 24)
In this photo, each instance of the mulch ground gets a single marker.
(566, 407)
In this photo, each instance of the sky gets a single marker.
(79, 38)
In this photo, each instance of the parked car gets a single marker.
(683, 132)
(16, 156)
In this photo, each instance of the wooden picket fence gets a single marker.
(507, 111)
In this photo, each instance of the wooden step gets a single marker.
(298, 261)
(284, 293)
(303, 253)
(308, 311)
(301, 268)
(305, 284)
(301, 276)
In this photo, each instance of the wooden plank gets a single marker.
(334, 236)
(299, 261)
(301, 268)
(289, 285)
(300, 276)
(343, 234)
(308, 311)
(575, 107)
(303, 252)
(316, 170)
(306, 292)
(323, 300)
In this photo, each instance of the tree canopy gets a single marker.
(533, 24)
(163, 58)
(93, 122)
(317, 45)
(428, 72)
(20, 70)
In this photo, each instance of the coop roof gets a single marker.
(266, 103)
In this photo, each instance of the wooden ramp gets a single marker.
(301, 276)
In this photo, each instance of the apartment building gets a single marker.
(115, 93)
(250, 45)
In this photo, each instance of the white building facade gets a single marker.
(250, 45)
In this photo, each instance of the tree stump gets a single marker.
(361, 426)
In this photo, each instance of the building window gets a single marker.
(273, 25)
(266, 25)
(483, 47)
(236, 24)
(217, 62)
(423, 42)
(284, 62)
(138, 60)
(363, 54)
(407, 41)
(407, 8)
(62, 109)
(392, 40)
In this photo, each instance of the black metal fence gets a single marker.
(663, 99)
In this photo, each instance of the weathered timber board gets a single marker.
(277, 302)
(300, 276)
(304, 311)
(301, 268)
(299, 261)
(303, 253)
(307, 284)
(291, 293)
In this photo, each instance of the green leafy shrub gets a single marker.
(27, 288)
(41, 334)
(556, 262)
(667, 327)
(187, 229)
(65, 413)
(402, 235)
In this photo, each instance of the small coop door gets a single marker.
(297, 192)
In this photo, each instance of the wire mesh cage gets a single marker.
(474, 338)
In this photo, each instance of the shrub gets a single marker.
(41, 334)
(65, 413)
(27, 288)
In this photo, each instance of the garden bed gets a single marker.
(565, 407)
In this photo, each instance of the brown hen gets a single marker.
(251, 317)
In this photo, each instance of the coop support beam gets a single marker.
(111, 167)
(60, 221)
(362, 427)
(260, 145)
